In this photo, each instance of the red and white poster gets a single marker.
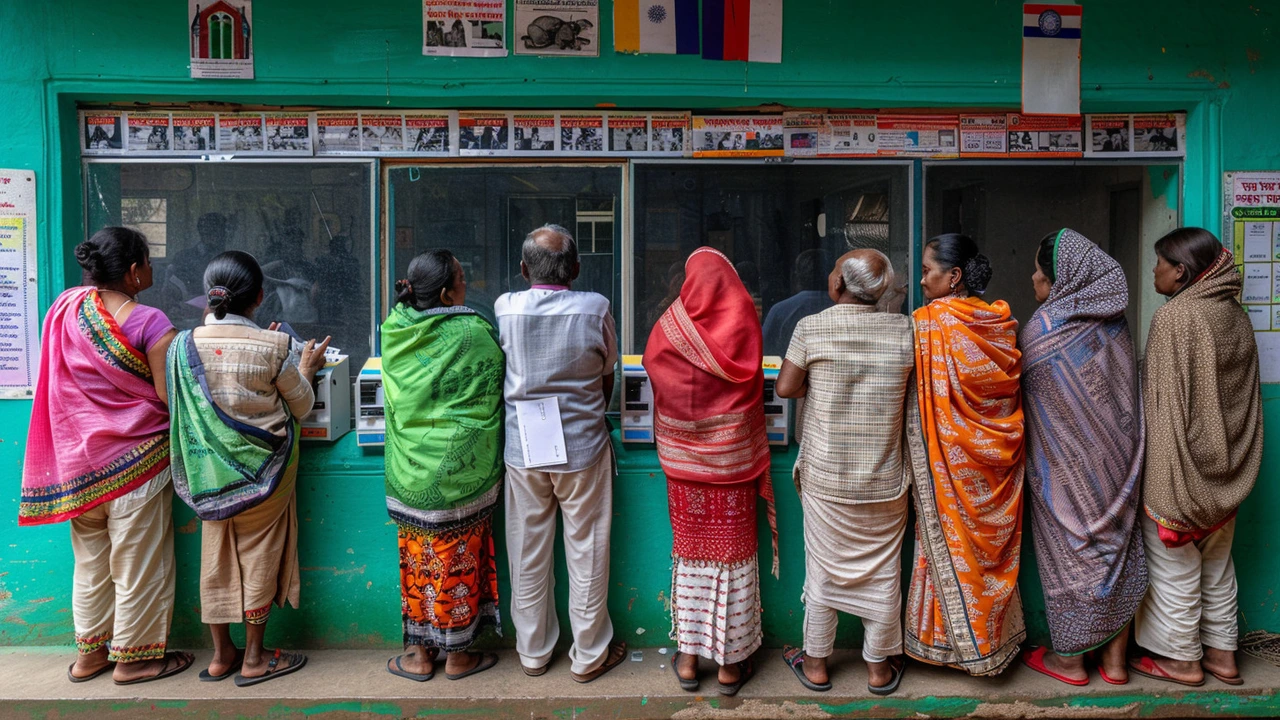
(337, 133)
(101, 132)
(1045, 136)
(849, 134)
(289, 133)
(628, 133)
(582, 133)
(194, 133)
(918, 135)
(429, 133)
(723, 136)
(533, 133)
(240, 132)
(148, 132)
(984, 136)
(464, 28)
(484, 133)
(221, 39)
(381, 133)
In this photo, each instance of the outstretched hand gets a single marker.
(313, 357)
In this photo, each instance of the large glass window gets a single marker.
(308, 224)
(783, 226)
(483, 213)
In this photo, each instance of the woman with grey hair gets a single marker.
(853, 365)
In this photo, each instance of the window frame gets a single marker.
(375, 238)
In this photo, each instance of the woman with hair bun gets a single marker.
(442, 373)
(236, 395)
(98, 457)
(965, 437)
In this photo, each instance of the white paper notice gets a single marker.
(541, 434)
(19, 318)
(1260, 316)
(1257, 282)
(1257, 242)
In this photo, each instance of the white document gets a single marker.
(1260, 316)
(541, 434)
(1257, 282)
(1257, 242)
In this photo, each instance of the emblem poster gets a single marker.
(221, 39)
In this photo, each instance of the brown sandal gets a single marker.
(617, 653)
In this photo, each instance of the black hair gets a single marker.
(429, 273)
(953, 250)
(1192, 247)
(810, 270)
(1045, 255)
(232, 283)
(107, 256)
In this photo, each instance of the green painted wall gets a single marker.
(1218, 61)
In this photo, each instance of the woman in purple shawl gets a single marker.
(1084, 458)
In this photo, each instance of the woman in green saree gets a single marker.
(442, 374)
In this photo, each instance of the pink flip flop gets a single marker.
(1034, 659)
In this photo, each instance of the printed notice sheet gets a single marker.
(541, 434)
(1251, 229)
(19, 318)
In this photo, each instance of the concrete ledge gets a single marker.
(341, 684)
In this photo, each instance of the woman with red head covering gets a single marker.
(703, 359)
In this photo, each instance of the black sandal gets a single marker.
(899, 669)
(185, 660)
(685, 683)
(610, 662)
(747, 670)
(399, 671)
(235, 668)
(484, 662)
(273, 668)
(795, 657)
(90, 676)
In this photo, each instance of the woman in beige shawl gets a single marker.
(1204, 445)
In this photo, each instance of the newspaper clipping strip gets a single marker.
(430, 133)
(984, 136)
(464, 28)
(669, 134)
(533, 133)
(381, 133)
(148, 132)
(484, 133)
(628, 133)
(932, 136)
(738, 136)
(337, 133)
(289, 133)
(557, 27)
(1044, 136)
(240, 133)
(582, 133)
(801, 131)
(848, 134)
(102, 132)
(194, 133)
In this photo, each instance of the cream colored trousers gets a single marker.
(123, 584)
(585, 499)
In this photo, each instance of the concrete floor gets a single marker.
(354, 684)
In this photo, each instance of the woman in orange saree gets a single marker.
(965, 435)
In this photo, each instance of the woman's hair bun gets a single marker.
(977, 273)
(218, 298)
(88, 256)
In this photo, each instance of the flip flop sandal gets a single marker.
(794, 657)
(898, 671)
(486, 661)
(748, 670)
(1228, 679)
(185, 660)
(609, 663)
(538, 671)
(235, 668)
(87, 678)
(274, 670)
(1108, 679)
(685, 683)
(1147, 667)
(399, 671)
(1034, 659)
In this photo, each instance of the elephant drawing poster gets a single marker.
(557, 27)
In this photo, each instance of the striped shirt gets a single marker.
(859, 362)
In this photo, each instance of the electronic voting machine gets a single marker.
(371, 421)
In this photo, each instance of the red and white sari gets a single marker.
(703, 359)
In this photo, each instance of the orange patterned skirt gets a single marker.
(448, 583)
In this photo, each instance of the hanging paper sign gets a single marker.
(464, 28)
(19, 316)
(289, 133)
(483, 133)
(918, 135)
(337, 133)
(669, 134)
(1159, 135)
(667, 27)
(1043, 136)
(1050, 59)
(984, 136)
(717, 136)
(800, 133)
(429, 133)
(557, 27)
(194, 133)
(848, 135)
(1109, 135)
(628, 133)
(381, 133)
(147, 132)
(240, 133)
(102, 132)
(582, 133)
(221, 39)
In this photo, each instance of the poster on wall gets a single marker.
(628, 133)
(147, 132)
(533, 133)
(483, 133)
(101, 132)
(848, 134)
(429, 133)
(720, 136)
(337, 133)
(800, 131)
(1044, 136)
(240, 132)
(464, 28)
(557, 27)
(19, 316)
(582, 133)
(1108, 135)
(669, 134)
(1251, 228)
(913, 135)
(288, 133)
(1159, 135)
(1051, 59)
(195, 133)
(381, 133)
(984, 136)
(221, 39)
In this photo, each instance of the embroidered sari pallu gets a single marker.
(221, 466)
(965, 441)
(105, 432)
(442, 372)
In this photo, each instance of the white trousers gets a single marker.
(122, 589)
(585, 499)
(1191, 596)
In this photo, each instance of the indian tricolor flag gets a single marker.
(742, 30)
(668, 27)
(1051, 59)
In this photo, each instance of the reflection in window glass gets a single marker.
(482, 215)
(782, 225)
(307, 224)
